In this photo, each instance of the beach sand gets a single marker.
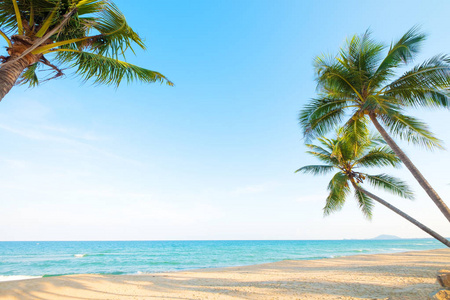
(409, 275)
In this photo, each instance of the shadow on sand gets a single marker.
(391, 276)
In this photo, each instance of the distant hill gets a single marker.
(386, 237)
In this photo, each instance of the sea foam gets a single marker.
(17, 277)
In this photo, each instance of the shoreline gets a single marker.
(17, 277)
(403, 275)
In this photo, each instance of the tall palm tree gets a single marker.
(346, 155)
(360, 84)
(88, 35)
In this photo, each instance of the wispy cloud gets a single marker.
(63, 136)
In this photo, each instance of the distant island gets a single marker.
(386, 237)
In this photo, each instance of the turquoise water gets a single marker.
(19, 259)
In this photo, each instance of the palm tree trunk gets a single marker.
(9, 75)
(407, 217)
(412, 168)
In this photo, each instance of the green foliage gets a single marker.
(108, 71)
(89, 36)
(29, 76)
(346, 156)
(339, 189)
(316, 169)
(360, 82)
(365, 204)
(391, 184)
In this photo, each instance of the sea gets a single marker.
(23, 260)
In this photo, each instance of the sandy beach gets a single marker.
(408, 275)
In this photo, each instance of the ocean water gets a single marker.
(21, 260)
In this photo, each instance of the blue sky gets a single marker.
(213, 157)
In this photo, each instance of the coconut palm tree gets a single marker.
(87, 35)
(360, 84)
(346, 156)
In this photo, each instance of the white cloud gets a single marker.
(64, 136)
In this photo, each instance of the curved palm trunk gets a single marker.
(407, 217)
(412, 168)
(9, 75)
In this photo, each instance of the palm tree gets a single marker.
(346, 156)
(89, 35)
(360, 84)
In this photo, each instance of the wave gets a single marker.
(17, 277)
(104, 254)
(114, 273)
(55, 275)
(360, 250)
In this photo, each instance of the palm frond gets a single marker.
(426, 85)
(410, 129)
(376, 140)
(316, 169)
(116, 36)
(5, 37)
(391, 184)
(327, 143)
(322, 154)
(379, 157)
(354, 134)
(365, 204)
(401, 52)
(325, 150)
(18, 17)
(323, 157)
(50, 20)
(109, 71)
(361, 57)
(321, 115)
(88, 7)
(30, 12)
(29, 76)
(335, 76)
(339, 189)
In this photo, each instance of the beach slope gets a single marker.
(409, 275)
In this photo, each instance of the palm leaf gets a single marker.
(379, 157)
(425, 85)
(116, 35)
(354, 133)
(29, 76)
(410, 129)
(18, 17)
(336, 77)
(109, 71)
(316, 169)
(88, 7)
(339, 190)
(5, 37)
(48, 22)
(321, 115)
(401, 52)
(365, 203)
(391, 184)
